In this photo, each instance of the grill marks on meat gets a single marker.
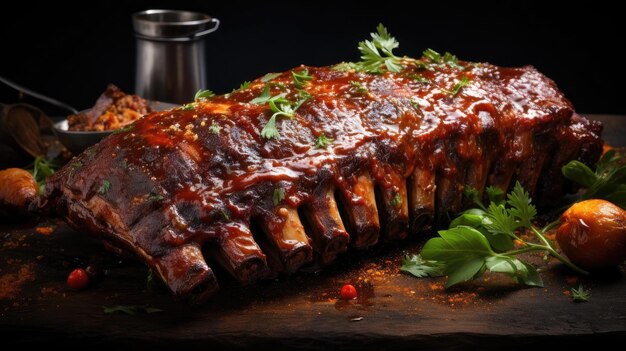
(179, 194)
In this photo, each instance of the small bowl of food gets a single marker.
(113, 110)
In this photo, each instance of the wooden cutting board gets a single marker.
(394, 311)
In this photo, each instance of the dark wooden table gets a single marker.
(394, 311)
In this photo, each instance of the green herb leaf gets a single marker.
(104, 187)
(128, 128)
(521, 272)
(519, 200)
(608, 182)
(373, 59)
(463, 251)
(495, 194)
(41, 169)
(266, 78)
(396, 201)
(359, 87)
(323, 141)
(474, 195)
(156, 197)
(501, 221)
(214, 128)
(188, 107)
(301, 78)
(580, 294)
(420, 267)
(432, 55)
(76, 165)
(245, 85)
(269, 130)
(345, 66)
(130, 309)
(419, 78)
(204, 95)
(225, 214)
(278, 196)
(458, 86)
(264, 97)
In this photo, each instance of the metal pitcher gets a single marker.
(170, 62)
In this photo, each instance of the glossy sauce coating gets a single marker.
(202, 173)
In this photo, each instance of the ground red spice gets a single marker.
(44, 230)
(11, 283)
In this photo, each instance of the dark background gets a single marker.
(73, 53)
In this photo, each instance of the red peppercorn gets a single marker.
(348, 292)
(78, 279)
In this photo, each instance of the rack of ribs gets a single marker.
(355, 158)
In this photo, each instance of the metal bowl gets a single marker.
(77, 142)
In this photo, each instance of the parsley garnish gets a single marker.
(130, 309)
(204, 95)
(379, 52)
(420, 267)
(419, 78)
(300, 78)
(457, 87)
(128, 128)
(396, 201)
(580, 294)
(278, 196)
(482, 239)
(155, 197)
(225, 214)
(266, 78)
(432, 55)
(76, 165)
(244, 85)
(323, 141)
(215, 128)
(42, 169)
(104, 187)
(282, 107)
(359, 87)
(188, 107)
(265, 95)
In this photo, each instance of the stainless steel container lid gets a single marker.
(173, 25)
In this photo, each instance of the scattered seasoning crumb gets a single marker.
(44, 230)
(11, 283)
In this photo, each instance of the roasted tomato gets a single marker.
(592, 234)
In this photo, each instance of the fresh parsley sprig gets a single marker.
(41, 169)
(301, 78)
(322, 141)
(281, 107)
(202, 95)
(581, 294)
(378, 52)
(482, 239)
